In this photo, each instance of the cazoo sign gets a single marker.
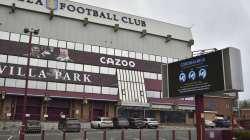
(117, 62)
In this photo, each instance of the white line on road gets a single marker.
(10, 137)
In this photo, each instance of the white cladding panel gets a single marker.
(79, 11)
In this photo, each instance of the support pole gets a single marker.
(200, 121)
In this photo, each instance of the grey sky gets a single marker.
(214, 23)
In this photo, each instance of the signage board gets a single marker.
(216, 72)
(196, 75)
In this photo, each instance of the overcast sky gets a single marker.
(214, 23)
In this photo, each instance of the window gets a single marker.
(60, 86)
(118, 52)
(41, 85)
(124, 53)
(70, 66)
(175, 59)
(70, 45)
(109, 90)
(78, 67)
(96, 89)
(131, 54)
(53, 42)
(87, 68)
(51, 86)
(92, 89)
(152, 57)
(35, 40)
(164, 60)
(153, 94)
(51, 64)
(79, 46)
(79, 88)
(113, 91)
(32, 84)
(87, 48)
(104, 70)
(44, 41)
(70, 87)
(103, 50)
(42, 63)
(159, 76)
(60, 65)
(170, 60)
(95, 49)
(110, 51)
(158, 58)
(24, 38)
(2, 80)
(88, 89)
(33, 62)
(95, 69)
(138, 55)
(112, 71)
(145, 57)
(10, 82)
(20, 83)
(153, 76)
(12, 59)
(61, 44)
(14, 37)
(105, 90)
(3, 58)
(22, 61)
(4, 35)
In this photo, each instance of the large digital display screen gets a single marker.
(198, 75)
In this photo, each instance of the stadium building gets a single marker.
(86, 62)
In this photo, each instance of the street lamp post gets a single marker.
(24, 122)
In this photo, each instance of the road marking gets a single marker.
(10, 137)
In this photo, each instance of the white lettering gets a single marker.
(86, 78)
(124, 63)
(42, 74)
(110, 61)
(19, 71)
(58, 74)
(77, 77)
(30, 73)
(117, 62)
(132, 64)
(102, 60)
(11, 70)
(2, 69)
(66, 77)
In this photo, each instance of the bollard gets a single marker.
(189, 135)
(21, 133)
(43, 135)
(140, 135)
(157, 134)
(122, 135)
(173, 134)
(105, 134)
(64, 135)
(84, 135)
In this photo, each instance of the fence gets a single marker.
(116, 134)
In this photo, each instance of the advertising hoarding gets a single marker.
(197, 75)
